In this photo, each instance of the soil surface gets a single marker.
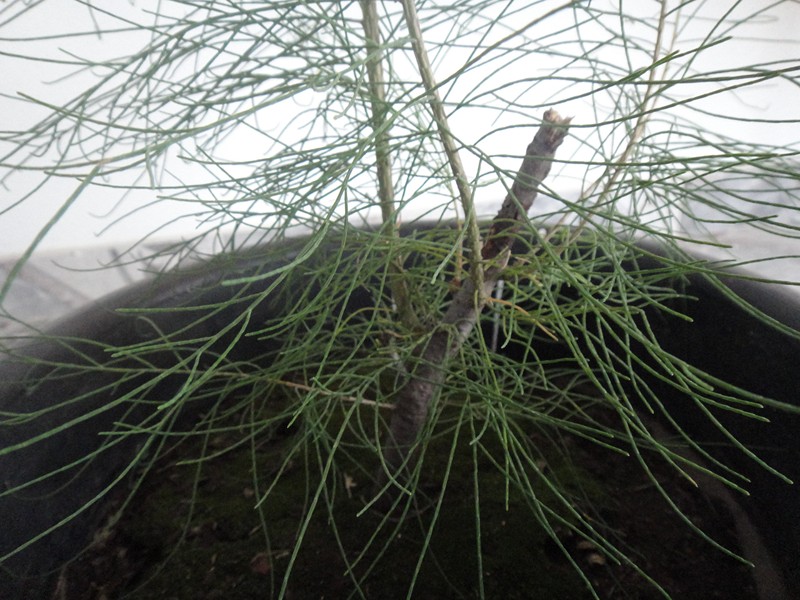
(198, 530)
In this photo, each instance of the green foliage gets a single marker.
(261, 118)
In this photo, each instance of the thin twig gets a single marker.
(377, 96)
(448, 141)
(618, 166)
(317, 390)
(383, 161)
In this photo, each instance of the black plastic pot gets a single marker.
(68, 473)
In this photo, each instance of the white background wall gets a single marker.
(92, 220)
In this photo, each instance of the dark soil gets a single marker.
(192, 532)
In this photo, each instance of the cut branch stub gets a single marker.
(431, 358)
(535, 168)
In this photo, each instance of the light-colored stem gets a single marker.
(383, 160)
(615, 169)
(377, 96)
(448, 141)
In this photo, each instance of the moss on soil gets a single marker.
(199, 532)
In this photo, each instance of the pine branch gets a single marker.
(383, 161)
(448, 141)
(431, 359)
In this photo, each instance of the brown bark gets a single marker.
(430, 364)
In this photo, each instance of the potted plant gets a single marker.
(418, 407)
